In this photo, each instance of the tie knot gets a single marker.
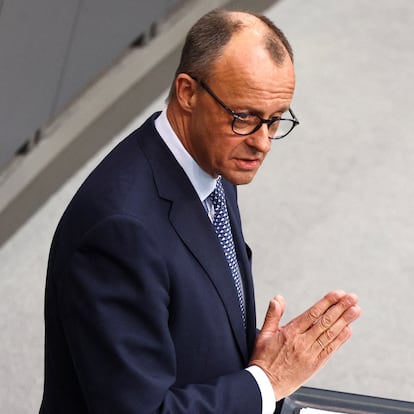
(218, 196)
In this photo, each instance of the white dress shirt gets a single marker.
(204, 185)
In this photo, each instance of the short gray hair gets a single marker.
(210, 34)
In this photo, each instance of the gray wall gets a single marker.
(50, 50)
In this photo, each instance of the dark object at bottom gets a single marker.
(341, 402)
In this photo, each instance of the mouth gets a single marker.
(248, 164)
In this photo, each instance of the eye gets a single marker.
(245, 117)
(245, 123)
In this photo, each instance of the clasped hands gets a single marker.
(293, 353)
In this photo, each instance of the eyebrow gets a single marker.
(254, 111)
(261, 113)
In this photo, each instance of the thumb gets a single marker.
(273, 315)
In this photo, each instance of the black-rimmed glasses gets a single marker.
(245, 123)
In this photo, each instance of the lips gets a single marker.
(248, 164)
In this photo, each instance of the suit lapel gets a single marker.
(206, 248)
(245, 265)
(188, 217)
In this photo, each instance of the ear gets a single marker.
(185, 88)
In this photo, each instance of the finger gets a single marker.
(344, 312)
(273, 315)
(307, 319)
(326, 350)
(337, 330)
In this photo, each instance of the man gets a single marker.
(147, 309)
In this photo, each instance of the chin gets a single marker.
(244, 182)
(240, 178)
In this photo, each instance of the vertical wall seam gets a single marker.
(66, 58)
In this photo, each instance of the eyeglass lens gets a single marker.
(248, 123)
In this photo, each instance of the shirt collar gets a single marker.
(202, 182)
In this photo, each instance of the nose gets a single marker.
(260, 140)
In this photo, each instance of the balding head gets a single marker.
(210, 35)
(266, 33)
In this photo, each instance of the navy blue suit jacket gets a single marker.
(141, 313)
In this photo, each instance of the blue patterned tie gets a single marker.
(221, 224)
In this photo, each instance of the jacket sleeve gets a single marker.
(114, 306)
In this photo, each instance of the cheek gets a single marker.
(215, 157)
(213, 144)
(224, 153)
(206, 151)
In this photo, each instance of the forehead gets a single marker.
(246, 70)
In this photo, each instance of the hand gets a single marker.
(293, 353)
